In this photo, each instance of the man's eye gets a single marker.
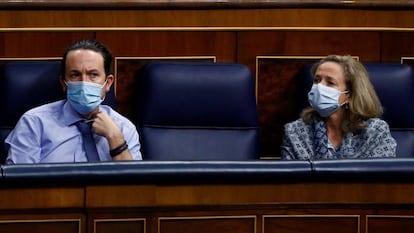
(74, 75)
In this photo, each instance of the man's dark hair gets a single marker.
(93, 45)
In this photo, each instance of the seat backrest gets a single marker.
(198, 111)
(394, 84)
(27, 84)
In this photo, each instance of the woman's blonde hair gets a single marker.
(364, 102)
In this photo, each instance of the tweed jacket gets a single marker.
(373, 141)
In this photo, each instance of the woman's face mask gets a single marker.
(84, 97)
(324, 99)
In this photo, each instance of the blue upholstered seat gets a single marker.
(394, 84)
(27, 84)
(198, 111)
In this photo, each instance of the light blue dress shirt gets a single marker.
(48, 134)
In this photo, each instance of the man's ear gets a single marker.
(109, 80)
(63, 84)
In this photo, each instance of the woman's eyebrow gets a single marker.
(332, 79)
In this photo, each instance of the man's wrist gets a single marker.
(119, 149)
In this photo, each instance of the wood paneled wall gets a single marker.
(274, 39)
(276, 207)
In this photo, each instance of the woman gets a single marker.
(343, 120)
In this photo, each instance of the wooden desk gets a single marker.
(279, 201)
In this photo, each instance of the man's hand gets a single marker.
(103, 125)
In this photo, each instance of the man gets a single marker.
(58, 132)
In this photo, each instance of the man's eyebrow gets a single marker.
(93, 70)
(78, 71)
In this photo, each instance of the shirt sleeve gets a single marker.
(131, 136)
(24, 141)
(134, 146)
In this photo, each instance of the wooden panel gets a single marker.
(37, 44)
(394, 224)
(119, 225)
(282, 94)
(219, 224)
(396, 45)
(170, 43)
(122, 195)
(366, 45)
(233, 194)
(266, 17)
(310, 224)
(287, 193)
(45, 197)
(41, 226)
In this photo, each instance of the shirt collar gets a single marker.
(70, 116)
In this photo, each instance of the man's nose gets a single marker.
(85, 77)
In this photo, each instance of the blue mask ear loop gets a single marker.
(103, 85)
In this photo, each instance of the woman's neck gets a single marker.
(334, 127)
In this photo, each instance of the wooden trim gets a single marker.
(204, 4)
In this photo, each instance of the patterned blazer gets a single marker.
(300, 142)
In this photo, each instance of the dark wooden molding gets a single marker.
(205, 4)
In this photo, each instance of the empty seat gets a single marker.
(198, 111)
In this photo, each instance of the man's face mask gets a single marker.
(324, 99)
(84, 97)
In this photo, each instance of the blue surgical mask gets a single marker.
(84, 97)
(324, 99)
